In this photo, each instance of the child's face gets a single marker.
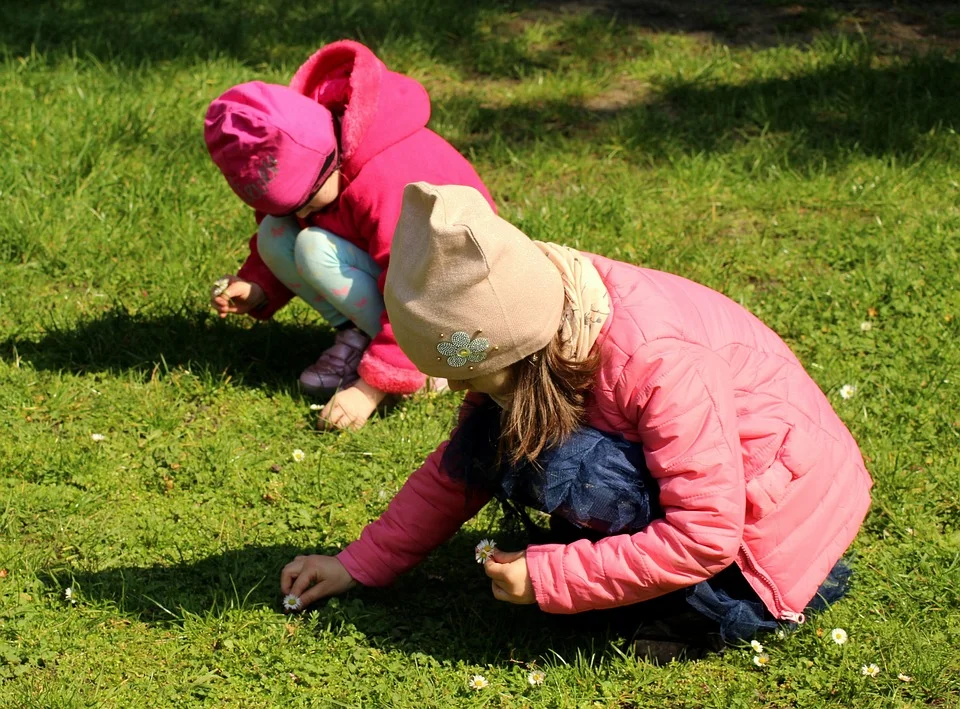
(497, 384)
(323, 197)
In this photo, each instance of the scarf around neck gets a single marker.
(588, 302)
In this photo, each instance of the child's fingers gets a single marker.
(495, 571)
(315, 593)
(290, 572)
(501, 556)
(302, 583)
(224, 305)
(500, 593)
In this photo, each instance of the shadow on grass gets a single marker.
(452, 31)
(816, 120)
(442, 608)
(269, 355)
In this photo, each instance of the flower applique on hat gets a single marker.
(461, 348)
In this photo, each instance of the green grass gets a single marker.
(816, 182)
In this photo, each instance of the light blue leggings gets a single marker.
(334, 277)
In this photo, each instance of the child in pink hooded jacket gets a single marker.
(757, 486)
(324, 162)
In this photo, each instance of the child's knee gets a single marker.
(316, 246)
(274, 238)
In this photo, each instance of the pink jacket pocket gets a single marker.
(765, 490)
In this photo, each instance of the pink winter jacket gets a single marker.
(384, 146)
(754, 466)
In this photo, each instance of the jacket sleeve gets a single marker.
(680, 399)
(429, 509)
(255, 270)
(375, 213)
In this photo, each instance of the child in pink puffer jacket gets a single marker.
(324, 162)
(757, 486)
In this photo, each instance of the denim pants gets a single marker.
(599, 484)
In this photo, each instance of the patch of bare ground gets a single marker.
(895, 26)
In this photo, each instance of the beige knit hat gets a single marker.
(467, 292)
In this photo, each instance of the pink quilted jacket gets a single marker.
(754, 466)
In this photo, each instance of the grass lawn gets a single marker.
(801, 157)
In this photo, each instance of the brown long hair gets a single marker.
(550, 391)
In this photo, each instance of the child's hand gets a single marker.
(311, 578)
(351, 407)
(238, 297)
(509, 576)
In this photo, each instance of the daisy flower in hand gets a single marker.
(484, 550)
(291, 603)
(477, 682)
(219, 286)
(839, 635)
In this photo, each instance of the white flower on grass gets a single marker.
(298, 455)
(870, 670)
(97, 437)
(761, 660)
(477, 682)
(847, 391)
(839, 635)
(484, 550)
(866, 326)
(68, 596)
(904, 678)
(536, 677)
(291, 603)
(757, 647)
(781, 635)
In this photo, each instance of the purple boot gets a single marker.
(337, 366)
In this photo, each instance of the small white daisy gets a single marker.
(536, 677)
(757, 647)
(870, 670)
(316, 407)
(484, 550)
(761, 660)
(291, 603)
(847, 391)
(781, 635)
(298, 455)
(904, 678)
(68, 595)
(219, 286)
(97, 437)
(866, 326)
(477, 682)
(839, 635)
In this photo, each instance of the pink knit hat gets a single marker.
(275, 146)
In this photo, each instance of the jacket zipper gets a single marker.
(782, 614)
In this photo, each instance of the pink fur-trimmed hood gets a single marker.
(377, 107)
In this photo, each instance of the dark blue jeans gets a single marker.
(598, 485)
